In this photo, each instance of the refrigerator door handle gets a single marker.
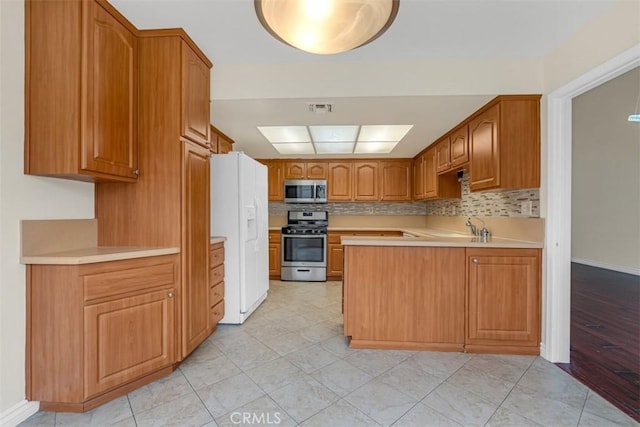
(256, 244)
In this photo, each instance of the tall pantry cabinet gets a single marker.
(169, 204)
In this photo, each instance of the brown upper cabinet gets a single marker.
(443, 155)
(220, 143)
(366, 181)
(395, 180)
(81, 92)
(504, 144)
(275, 176)
(295, 170)
(300, 169)
(452, 151)
(459, 147)
(347, 180)
(499, 145)
(428, 184)
(418, 177)
(340, 181)
(195, 97)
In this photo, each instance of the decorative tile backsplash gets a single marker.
(347, 208)
(487, 203)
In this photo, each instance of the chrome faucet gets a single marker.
(482, 233)
(471, 225)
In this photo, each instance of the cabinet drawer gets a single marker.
(115, 283)
(216, 294)
(216, 313)
(217, 275)
(216, 256)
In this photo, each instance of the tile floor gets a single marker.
(290, 365)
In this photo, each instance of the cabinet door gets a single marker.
(195, 97)
(274, 254)
(430, 175)
(334, 260)
(295, 170)
(110, 95)
(395, 180)
(459, 148)
(443, 155)
(418, 178)
(195, 247)
(275, 176)
(316, 170)
(225, 145)
(503, 297)
(274, 260)
(365, 181)
(128, 338)
(339, 182)
(484, 146)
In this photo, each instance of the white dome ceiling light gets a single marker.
(326, 26)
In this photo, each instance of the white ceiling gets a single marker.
(424, 30)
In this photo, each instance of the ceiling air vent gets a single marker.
(320, 108)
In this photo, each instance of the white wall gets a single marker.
(605, 224)
(611, 33)
(21, 197)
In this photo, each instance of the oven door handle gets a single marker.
(304, 236)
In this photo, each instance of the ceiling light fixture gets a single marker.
(326, 26)
(337, 139)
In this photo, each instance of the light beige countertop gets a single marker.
(435, 231)
(438, 241)
(216, 239)
(95, 254)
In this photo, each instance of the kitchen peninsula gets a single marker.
(442, 290)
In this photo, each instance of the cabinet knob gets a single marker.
(474, 260)
(170, 295)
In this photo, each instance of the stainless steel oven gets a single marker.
(304, 247)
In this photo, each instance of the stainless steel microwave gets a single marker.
(305, 191)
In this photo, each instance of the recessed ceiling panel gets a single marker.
(334, 133)
(334, 147)
(375, 147)
(295, 148)
(279, 134)
(377, 133)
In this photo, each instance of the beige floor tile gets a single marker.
(303, 398)
(383, 403)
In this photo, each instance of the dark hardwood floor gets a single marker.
(605, 335)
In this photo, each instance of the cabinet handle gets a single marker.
(170, 295)
(474, 260)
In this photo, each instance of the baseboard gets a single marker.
(18, 413)
(618, 268)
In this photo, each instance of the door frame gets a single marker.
(557, 259)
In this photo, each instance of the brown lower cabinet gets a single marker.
(482, 300)
(98, 331)
(335, 252)
(275, 264)
(216, 287)
(503, 300)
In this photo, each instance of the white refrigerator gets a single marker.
(239, 212)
